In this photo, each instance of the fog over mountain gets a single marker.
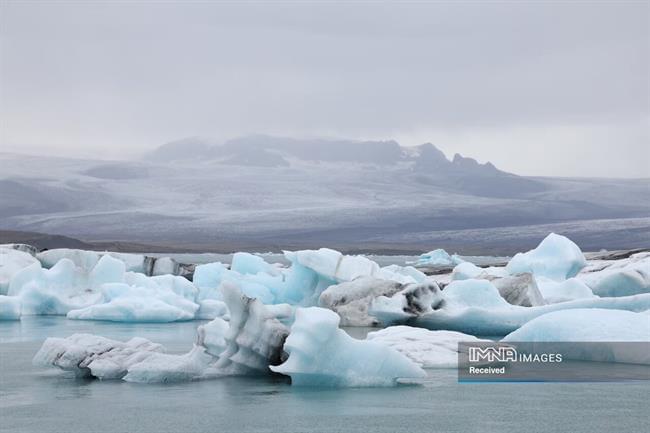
(264, 192)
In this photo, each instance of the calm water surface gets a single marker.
(36, 400)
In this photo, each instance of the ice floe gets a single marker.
(476, 307)
(556, 257)
(437, 258)
(321, 354)
(428, 349)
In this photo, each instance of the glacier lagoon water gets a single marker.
(36, 400)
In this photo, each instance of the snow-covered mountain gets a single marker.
(261, 192)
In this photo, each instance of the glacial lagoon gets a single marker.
(40, 400)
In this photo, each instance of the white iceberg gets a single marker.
(321, 354)
(12, 261)
(428, 349)
(92, 355)
(476, 307)
(9, 307)
(562, 291)
(468, 270)
(624, 277)
(556, 257)
(53, 291)
(608, 328)
(437, 258)
(123, 303)
(585, 325)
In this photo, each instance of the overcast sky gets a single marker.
(538, 88)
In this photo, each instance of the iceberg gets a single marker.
(91, 355)
(413, 301)
(247, 345)
(467, 270)
(310, 273)
(476, 307)
(428, 349)
(321, 354)
(608, 327)
(351, 300)
(585, 325)
(556, 258)
(437, 258)
(562, 291)
(621, 278)
(123, 303)
(106, 292)
(12, 261)
(53, 291)
(519, 289)
(9, 307)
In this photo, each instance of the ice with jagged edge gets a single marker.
(310, 273)
(437, 258)
(476, 307)
(321, 354)
(248, 344)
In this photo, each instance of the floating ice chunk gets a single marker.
(212, 336)
(86, 260)
(107, 270)
(591, 325)
(207, 279)
(401, 274)
(9, 307)
(321, 354)
(12, 261)
(437, 258)
(246, 263)
(210, 309)
(53, 291)
(476, 307)
(334, 265)
(556, 257)
(561, 291)
(165, 266)
(351, 300)
(124, 303)
(413, 301)
(519, 289)
(622, 278)
(91, 355)
(255, 334)
(164, 368)
(585, 325)
(428, 349)
(467, 270)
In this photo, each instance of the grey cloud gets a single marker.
(113, 79)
